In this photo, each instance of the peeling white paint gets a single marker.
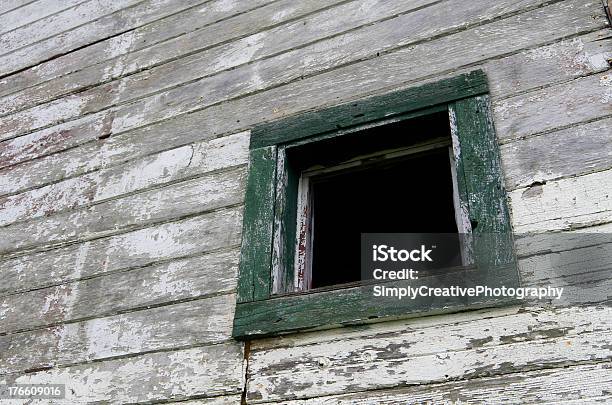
(606, 82)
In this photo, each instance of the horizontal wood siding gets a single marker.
(124, 151)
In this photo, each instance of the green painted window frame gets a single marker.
(270, 205)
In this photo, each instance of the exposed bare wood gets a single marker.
(55, 24)
(220, 119)
(161, 204)
(153, 28)
(9, 5)
(168, 166)
(494, 346)
(202, 321)
(224, 400)
(557, 106)
(105, 27)
(214, 370)
(586, 384)
(175, 280)
(124, 129)
(220, 229)
(217, 36)
(563, 204)
(32, 12)
(227, 56)
(574, 151)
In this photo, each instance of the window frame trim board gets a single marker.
(266, 304)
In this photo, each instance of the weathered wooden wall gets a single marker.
(123, 147)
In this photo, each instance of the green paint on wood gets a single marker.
(351, 306)
(370, 109)
(256, 251)
(271, 202)
(480, 168)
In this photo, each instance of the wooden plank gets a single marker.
(51, 140)
(175, 19)
(209, 232)
(487, 348)
(372, 75)
(583, 384)
(102, 185)
(32, 12)
(479, 167)
(224, 400)
(558, 106)
(584, 262)
(584, 289)
(228, 56)
(177, 200)
(9, 5)
(53, 25)
(213, 370)
(351, 114)
(173, 281)
(560, 241)
(542, 66)
(349, 333)
(563, 204)
(105, 27)
(256, 252)
(358, 305)
(223, 37)
(578, 261)
(203, 321)
(273, 71)
(527, 316)
(573, 151)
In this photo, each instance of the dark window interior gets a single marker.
(408, 194)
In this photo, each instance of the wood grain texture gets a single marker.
(223, 37)
(32, 12)
(214, 370)
(544, 65)
(541, 66)
(586, 384)
(573, 151)
(480, 181)
(172, 281)
(104, 27)
(55, 24)
(141, 174)
(217, 230)
(563, 204)
(203, 321)
(193, 79)
(222, 400)
(585, 262)
(388, 70)
(560, 241)
(558, 106)
(495, 346)
(239, 53)
(172, 21)
(212, 191)
(9, 5)
(343, 116)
